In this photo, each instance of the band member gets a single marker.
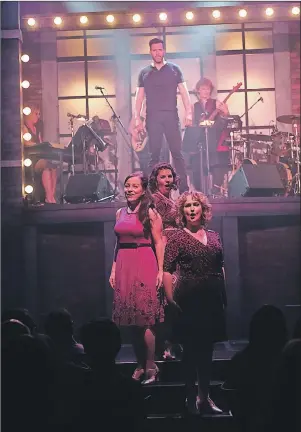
(199, 296)
(162, 180)
(218, 154)
(159, 83)
(137, 273)
(46, 168)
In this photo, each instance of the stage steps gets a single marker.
(172, 371)
(165, 399)
(178, 423)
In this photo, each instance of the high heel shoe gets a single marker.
(152, 375)
(207, 406)
(138, 374)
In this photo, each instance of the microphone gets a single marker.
(260, 98)
(76, 116)
(99, 88)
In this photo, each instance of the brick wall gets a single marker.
(31, 70)
(295, 66)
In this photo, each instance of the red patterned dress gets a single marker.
(201, 289)
(135, 294)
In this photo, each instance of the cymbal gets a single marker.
(289, 119)
(257, 137)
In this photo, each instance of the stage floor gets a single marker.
(222, 351)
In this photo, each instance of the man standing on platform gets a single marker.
(159, 83)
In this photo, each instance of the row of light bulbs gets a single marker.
(28, 189)
(163, 17)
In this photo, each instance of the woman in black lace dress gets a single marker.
(162, 181)
(199, 298)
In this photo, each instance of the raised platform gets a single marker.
(63, 256)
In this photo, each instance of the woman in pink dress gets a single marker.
(137, 272)
(162, 181)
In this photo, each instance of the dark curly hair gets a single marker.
(202, 199)
(152, 182)
(146, 201)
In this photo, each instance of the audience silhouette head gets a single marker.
(101, 340)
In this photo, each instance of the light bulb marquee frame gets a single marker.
(201, 16)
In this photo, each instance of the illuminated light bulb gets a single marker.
(28, 189)
(216, 14)
(83, 19)
(189, 15)
(27, 136)
(110, 18)
(162, 16)
(26, 111)
(31, 22)
(25, 84)
(27, 162)
(296, 10)
(136, 18)
(269, 12)
(25, 58)
(242, 13)
(57, 20)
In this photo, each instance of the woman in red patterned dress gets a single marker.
(137, 272)
(162, 181)
(199, 298)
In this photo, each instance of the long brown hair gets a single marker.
(152, 182)
(146, 201)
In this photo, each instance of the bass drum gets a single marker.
(286, 177)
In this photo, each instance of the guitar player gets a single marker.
(218, 154)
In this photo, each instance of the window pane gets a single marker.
(256, 63)
(139, 44)
(100, 46)
(70, 33)
(183, 43)
(229, 71)
(228, 41)
(156, 32)
(263, 112)
(191, 70)
(108, 32)
(100, 108)
(101, 73)
(74, 106)
(236, 103)
(259, 25)
(71, 79)
(259, 39)
(70, 47)
(228, 27)
(136, 66)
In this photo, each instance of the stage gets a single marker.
(65, 255)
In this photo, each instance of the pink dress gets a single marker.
(135, 294)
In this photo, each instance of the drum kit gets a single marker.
(279, 148)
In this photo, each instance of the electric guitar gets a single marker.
(225, 132)
(138, 140)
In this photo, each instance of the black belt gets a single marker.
(133, 245)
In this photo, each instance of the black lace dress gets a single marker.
(201, 289)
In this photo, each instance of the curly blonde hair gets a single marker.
(202, 199)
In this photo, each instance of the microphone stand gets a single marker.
(72, 146)
(258, 100)
(116, 120)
